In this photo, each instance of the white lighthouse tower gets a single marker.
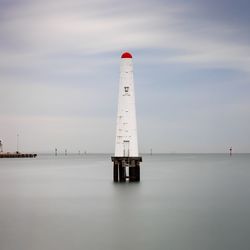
(126, 159)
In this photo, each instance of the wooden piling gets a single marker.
(122, 173)
(115, 172)
(132, 174)
(120, 166)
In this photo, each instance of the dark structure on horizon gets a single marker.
(16, 154)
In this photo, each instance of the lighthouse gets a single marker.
(126, 162)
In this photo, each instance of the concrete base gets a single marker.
(121, 164)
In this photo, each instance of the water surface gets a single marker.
(183, 202)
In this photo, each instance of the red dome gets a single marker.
(126, 55)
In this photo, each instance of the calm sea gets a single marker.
(183, 202)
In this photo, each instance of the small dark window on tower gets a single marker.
(126, 89)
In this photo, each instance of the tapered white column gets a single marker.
(126, 144)
(126, 160)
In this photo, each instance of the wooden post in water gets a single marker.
(115, 171)
(122, 164)
(1, 147)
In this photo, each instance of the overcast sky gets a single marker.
(59, 73)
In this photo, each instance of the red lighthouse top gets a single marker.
(126, 55)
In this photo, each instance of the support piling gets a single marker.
(123, 163)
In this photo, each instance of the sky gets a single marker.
(59, 74)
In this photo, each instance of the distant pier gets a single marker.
(17, 155)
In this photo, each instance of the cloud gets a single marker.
(35, 30)
(61, 59)
(42, 29)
